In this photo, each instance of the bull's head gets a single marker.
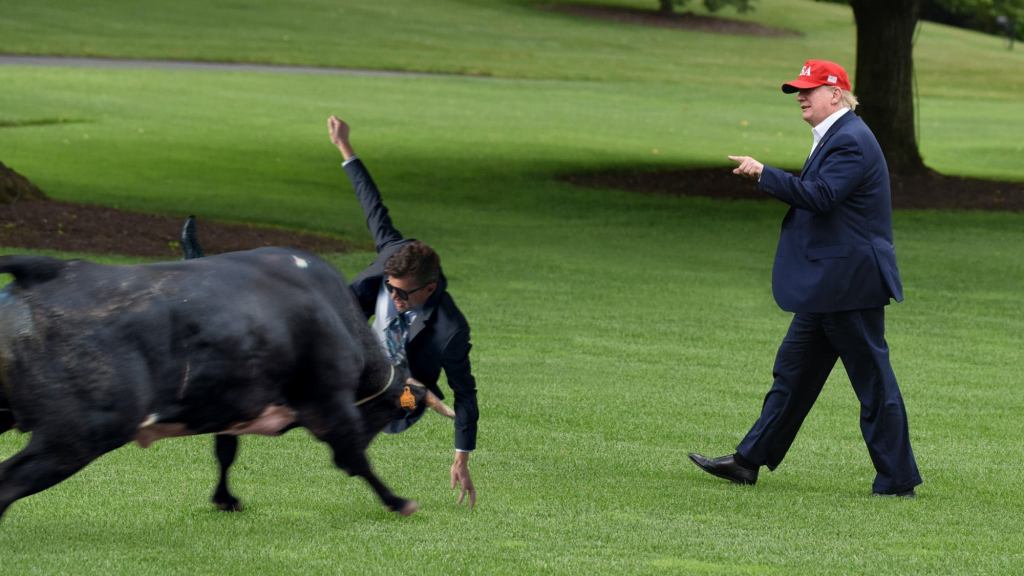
(399, 403)
(414, 393)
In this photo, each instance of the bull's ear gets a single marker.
(429, 397)
(413, 394)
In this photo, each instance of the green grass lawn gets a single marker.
(510, 38)
(613, 332)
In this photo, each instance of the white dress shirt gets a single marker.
(818, 132)
(383, 313)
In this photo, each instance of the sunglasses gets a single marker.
(403, 294)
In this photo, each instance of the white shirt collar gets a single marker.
(385, 310)
(822, 128)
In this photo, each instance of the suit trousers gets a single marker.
(804, 360)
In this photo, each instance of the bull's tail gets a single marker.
(30, 270)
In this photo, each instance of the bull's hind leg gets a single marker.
(40, 465)
(226, 448)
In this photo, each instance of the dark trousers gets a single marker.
(804, 360)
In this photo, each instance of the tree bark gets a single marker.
(14, 187)
(885, 78)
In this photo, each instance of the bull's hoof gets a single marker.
(233, 505)
(408, 508)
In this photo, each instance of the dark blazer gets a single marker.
(835, 251)
(443, 343)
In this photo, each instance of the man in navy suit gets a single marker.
(414, 317)
(835, 268)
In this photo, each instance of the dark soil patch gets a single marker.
(14, 186)
(68, 227)
(683, 21)
(919, 192)
(52, 225)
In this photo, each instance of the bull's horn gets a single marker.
(438, 406)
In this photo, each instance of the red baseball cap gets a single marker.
(818, 73)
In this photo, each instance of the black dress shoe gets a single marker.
(726, 467)
(190, 247)
(901, 494)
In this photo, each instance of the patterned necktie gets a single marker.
(395, 335)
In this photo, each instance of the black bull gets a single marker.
(93, 357)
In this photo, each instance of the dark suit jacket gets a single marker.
(443, 343)
(836, 250)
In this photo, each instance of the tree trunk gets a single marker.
(14, 187)
(885, 78)
(665, 6)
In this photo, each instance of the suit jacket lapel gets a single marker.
(824, 139)
(429, 309)
(420, 322)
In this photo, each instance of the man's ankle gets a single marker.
(739, 459)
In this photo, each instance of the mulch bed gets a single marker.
(68, 227)
(681, 21)
(928, 191)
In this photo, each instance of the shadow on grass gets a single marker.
(919, 192)
(41, 122)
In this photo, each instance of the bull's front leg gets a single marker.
(351, 458)
(340, 427)
(226, 449)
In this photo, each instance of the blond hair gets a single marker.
(849, 99)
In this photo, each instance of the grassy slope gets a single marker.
(613, 332)
(724, 77)
(491, 37)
